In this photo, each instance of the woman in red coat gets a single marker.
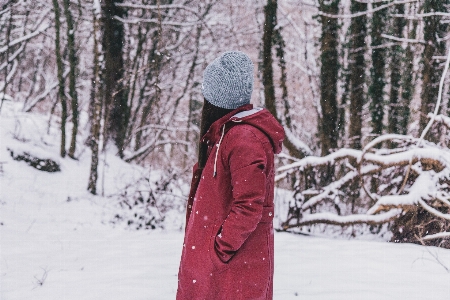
(228, 245)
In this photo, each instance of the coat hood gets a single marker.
(258, 117)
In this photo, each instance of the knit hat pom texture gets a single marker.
(228, 80)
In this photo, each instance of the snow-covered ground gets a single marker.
(56, 242)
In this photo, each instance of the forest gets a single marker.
(360, 87)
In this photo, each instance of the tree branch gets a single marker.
(333, 219)
(359, 14)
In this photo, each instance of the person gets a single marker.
(228, 250)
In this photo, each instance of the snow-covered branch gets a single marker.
(363, 13)
(158, 7)
(434, 211)
(25, 37)
(441, 119)
(422, 188)
(312, 161)
(157, 21)
(12, 57)
(144, 148)
(430, 164)
(44, 94)
(332, 190)
(10, 74)
(333, 219)
(297, 143)
(440, 235)
(163, 127)
(430, 156)
(394, 38)
(21, 39)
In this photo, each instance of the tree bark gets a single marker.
(396, 70)
(357, 69)
(152, 59)
(376, 89)
(96, 108)
(59, 65)
(407, 84)
(431, 70)
(72, 77)
(270, 12)
(329, 76)
(116, 110)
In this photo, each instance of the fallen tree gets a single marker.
(374, 188)
(405, 183)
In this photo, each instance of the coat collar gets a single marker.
(213, 133)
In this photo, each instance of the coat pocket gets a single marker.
(219, 265)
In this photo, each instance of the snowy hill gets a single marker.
(57, 241)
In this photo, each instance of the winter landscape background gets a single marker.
(100, 108)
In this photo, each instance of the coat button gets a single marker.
(270, 214)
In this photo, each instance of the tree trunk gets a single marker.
(407, 84)
(152, 59)
(59, 64)
(72, 77)
(357, 73)
(329, 76)
(396, 74)
(279, 46)
(8, 37)
(431, 71)
(270, 13)
(376, 89)
(116, 110)
(96, 114)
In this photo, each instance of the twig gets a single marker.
(440, 235)
(40, 281)
(390, 37)
(432, 254)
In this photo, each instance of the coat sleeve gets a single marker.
(247, 161)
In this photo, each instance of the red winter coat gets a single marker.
(228, 245)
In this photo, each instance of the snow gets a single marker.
(96, 6)
(85, 259)
(421, 153)
(319, 268)
(56, 242)
(319, 160)
(331, 218)
(422, 188)
(437, 236)
(438, 118)
(396, 158)
(5, 97)
(333, 188)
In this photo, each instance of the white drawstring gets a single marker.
(217, 151)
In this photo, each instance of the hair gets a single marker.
(210, 114)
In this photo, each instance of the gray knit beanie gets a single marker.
(228, 80)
